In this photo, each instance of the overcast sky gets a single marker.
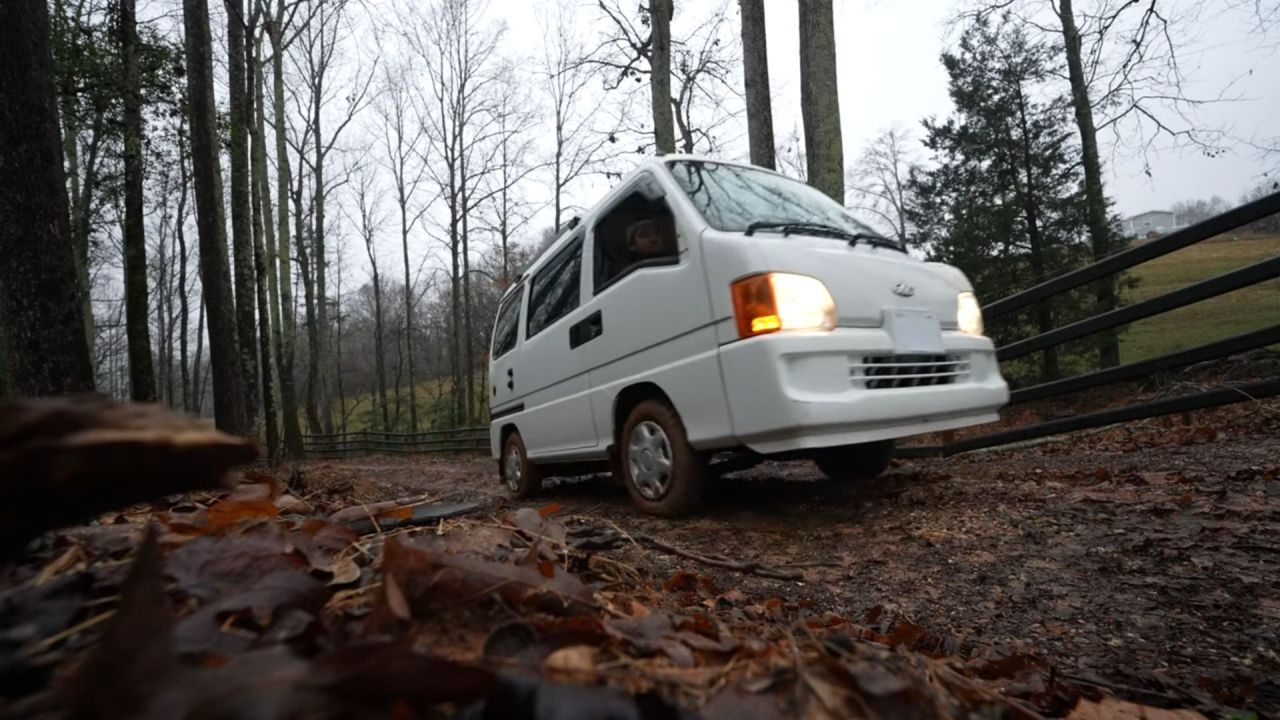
(890, 74)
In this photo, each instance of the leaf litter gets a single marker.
(231, 603)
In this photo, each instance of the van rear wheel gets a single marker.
(864, 461)
(664, 474)
(519, 474)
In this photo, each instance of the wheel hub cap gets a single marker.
(511, 470)
(649, 460)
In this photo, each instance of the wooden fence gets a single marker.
(372, 442)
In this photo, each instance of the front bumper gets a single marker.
(798, 391)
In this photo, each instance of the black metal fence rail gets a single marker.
(372, 442)
(1111, 265)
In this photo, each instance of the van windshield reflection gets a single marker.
(734, 198)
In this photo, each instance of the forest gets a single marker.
(297, 216)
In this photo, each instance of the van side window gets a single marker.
(635, 233)
(507, 328)
(554, 290)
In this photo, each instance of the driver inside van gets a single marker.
(646, 241)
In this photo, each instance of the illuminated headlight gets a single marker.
(969, 314)
(781, 301)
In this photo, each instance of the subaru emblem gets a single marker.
(904, 290)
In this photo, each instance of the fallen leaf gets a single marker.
(572, 660)
(1113, 709)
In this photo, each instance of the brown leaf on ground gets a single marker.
(431, 578)
(209, 568)
(234, 620)
(135, 658)
(66, 460)
(1113, 709)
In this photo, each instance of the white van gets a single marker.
(704, 307)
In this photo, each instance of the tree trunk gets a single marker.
(1102, 239)
(215, 272)
(287, 326)
(820, 99)
(755, 72)
(257, 183)
(41, 316)
(241, 218)
(664, 134)
(408, 311)
(1049, 365)
(313, 335)
(180, 232)
(321, 261)
(142, 377)
(379, 354)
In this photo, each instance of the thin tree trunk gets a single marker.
(215, 271)
(259, 257)
(320, 258)
(408, 310)
(1050, 369)
(755, 72)
(287, 325)
(180, 232)
(241, 214)
(142, 376)
(198, 378)
(820, 99)
(313, 335)
(1102, 238)
(664, 134)
(41, 317)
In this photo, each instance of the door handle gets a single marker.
(511, 378)
(586, 330)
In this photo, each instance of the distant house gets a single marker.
(1152, 221)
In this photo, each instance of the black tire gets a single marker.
(528, 480)
(685, 467)
(865, 461)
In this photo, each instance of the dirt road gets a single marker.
(1147, 562)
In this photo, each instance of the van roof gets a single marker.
(646, 164)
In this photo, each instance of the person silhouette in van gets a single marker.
(646, 242)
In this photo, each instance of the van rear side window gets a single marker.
(554, 290)
(505, 331)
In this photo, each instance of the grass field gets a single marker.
(1241, 311)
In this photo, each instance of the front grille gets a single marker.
(877, 372)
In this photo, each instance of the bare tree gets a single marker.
(878, 180)
(405, 144)
(277, 28)
(701, 63)
(224, 351)
(580, 146)
(820, 98)
(239, 116)
(41, 318)
(755, 73)
(458, 51)
(319, 42)
(369, 221)
(142, 378)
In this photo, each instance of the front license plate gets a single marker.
(914, 331)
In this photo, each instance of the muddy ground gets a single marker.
(1144, 559)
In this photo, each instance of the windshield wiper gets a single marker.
(787, 227)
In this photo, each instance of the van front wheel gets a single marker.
(519, 474)
(663, 473)
(855, 462)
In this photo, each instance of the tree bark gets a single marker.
(664, 134)
(142, 378)
(820, 99)
(241, 214)
(1102, 238)
(287, 326)
(1049, 366)
(215, 271)
(408, 307)
(257, 183)
(183, 311)
(755, 72)
(41, 316)
(320, 258)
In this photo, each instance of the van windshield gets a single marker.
(731, 198)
